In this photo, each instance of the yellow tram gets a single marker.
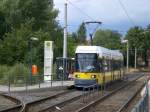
(97, 65)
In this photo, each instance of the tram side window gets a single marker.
(115, 65)
(99, 64)
(110, 64)
(105, 65)
(119, 64)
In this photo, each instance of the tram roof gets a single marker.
(103, 52)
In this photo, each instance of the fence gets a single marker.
(89, 92)
(143, 104)
(22, 83)
(20, 76)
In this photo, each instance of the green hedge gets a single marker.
(15, 74)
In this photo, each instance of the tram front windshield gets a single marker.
(86, 62)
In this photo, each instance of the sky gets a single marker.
(117, 15)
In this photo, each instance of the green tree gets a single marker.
(14, 46)
(41, 11)
(81, 34)
(28, 18)
(4, 26)
(72, 43)
(12, 14)
(139, 38)
(75, 37)
(135, 37)
(107, 38)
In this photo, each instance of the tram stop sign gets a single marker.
(48, 60)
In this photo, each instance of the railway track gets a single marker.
(51, 101)
(132, 101)
(118, 99)
(79, 103)
(9, 104)
(29, 98)
(71, 105)
(60, 101)
(32, 95)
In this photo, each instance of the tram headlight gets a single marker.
(93, 76)
(77, 76)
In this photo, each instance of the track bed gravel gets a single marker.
(115, 101)
(32, 95)
(72, 107)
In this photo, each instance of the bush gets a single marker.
(3, 72)
(15, 74)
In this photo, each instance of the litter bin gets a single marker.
(34, 69)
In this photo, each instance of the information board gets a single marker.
(48, 60)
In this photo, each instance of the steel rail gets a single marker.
(126, 104)
(63, 103)
(15, 108)
(68, 101)
(86, 108)
(60, 104)
(11, 98)
(28, 105)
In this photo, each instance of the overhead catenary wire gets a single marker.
(126, 12)
(92, 19)
(80, 10)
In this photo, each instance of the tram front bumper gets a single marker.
(84, 82)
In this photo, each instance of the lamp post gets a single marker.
(127, 61)
(30, 50)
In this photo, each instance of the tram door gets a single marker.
(64, 67)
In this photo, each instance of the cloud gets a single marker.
(109, 12)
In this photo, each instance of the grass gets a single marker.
(13, 74)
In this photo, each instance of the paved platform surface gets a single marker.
(4, 88)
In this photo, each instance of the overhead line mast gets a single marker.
(65, 31)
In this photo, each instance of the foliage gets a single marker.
(81, 34)
(140, 39)
(11, 13)
(3, 71)
(26, 19)
(72, 43)
(107, 38)
(15, 46)
(4, 26)
(17, 72)
(135, 37)
(22, 19)
(41, 11)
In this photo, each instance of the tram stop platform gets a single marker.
(4, 88)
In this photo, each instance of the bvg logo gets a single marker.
(48, 44)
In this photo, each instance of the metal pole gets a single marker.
(127, 56)
(9, 83)
(135, 57)
(30, 61)
(91, 35)
(65, 32)
(65, 41)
